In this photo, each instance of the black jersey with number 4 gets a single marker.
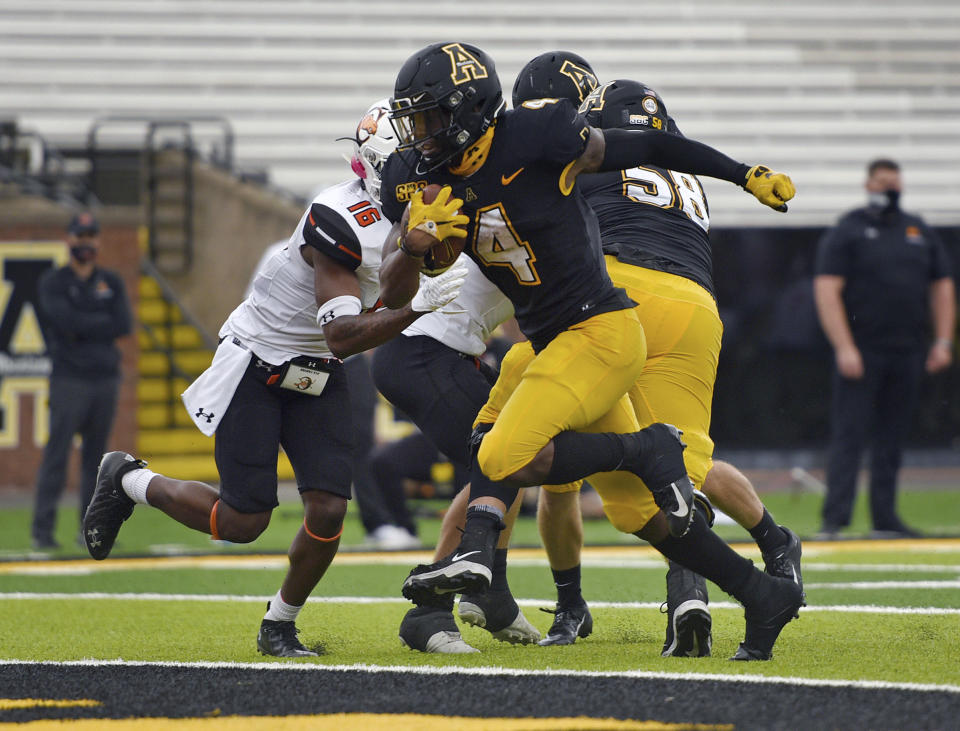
(654, 218)
(538, 244)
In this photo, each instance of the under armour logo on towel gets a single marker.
(209, 417)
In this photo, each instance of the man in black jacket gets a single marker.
(882, 277)
(84, 309)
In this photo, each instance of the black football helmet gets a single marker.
(625, 104)
(556, 75)
(445, 97)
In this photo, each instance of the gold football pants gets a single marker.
(682, 334)
(579, 382)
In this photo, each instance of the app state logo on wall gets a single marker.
(24, 365)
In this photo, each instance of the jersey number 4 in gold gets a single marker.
(497, 244)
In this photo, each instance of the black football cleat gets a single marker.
(688, 616)
(459, 572)
(569, 623)
(465, 571)
(657, 459)
(433, 629)
(498, 613)
(279, 639)
(785, 561)
(110, 505)
(774, 602)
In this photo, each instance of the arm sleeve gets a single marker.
(326, 231)
(833, 252)
(628, 148)
(64, 318)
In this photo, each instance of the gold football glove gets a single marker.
(439, 218)
(770, 188)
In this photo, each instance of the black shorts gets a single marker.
(439, 389)
(316, 432)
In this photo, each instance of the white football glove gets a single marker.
(435, 292)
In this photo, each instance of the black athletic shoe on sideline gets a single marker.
(569, 623)
(688, 617)
(498, 613)
(774, 603)
(110, 505)
(660, 466)
(465, 571)
(279, 639)
(785, 561)
(433, 629)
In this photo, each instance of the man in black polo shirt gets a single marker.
(881, 275)
(83, 310)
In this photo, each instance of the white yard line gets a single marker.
(273, 563)
(496, 670)
(129, 596)
(884, 585)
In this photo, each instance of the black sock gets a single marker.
(767, 533)
(481, 531)
(704, 552)
(499, 580)
(568, 586)
(577, 455)
(483, 486)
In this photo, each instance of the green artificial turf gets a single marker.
(819, 645)
(933, 511)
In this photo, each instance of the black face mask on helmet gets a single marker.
(83, 253)
(448, 94)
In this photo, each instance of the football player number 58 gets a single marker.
(683, 190)
(497, 244)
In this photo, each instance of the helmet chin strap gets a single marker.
(474, 156)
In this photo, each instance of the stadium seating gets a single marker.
(816, 88)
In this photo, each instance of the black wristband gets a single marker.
(405, 250)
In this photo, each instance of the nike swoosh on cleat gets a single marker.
(682, 510)
(458, 556)
(506, 180)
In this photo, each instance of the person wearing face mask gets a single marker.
(83, 310)
(882, 277)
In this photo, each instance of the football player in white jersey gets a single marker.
(276, 380)
(433, 373)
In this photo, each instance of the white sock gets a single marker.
(135, 483)
(280, 611)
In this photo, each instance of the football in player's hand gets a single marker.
(443, 254)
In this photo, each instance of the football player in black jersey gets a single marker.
(654, 224)
(509, 191)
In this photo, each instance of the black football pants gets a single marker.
(878, 409)
(77, 406)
